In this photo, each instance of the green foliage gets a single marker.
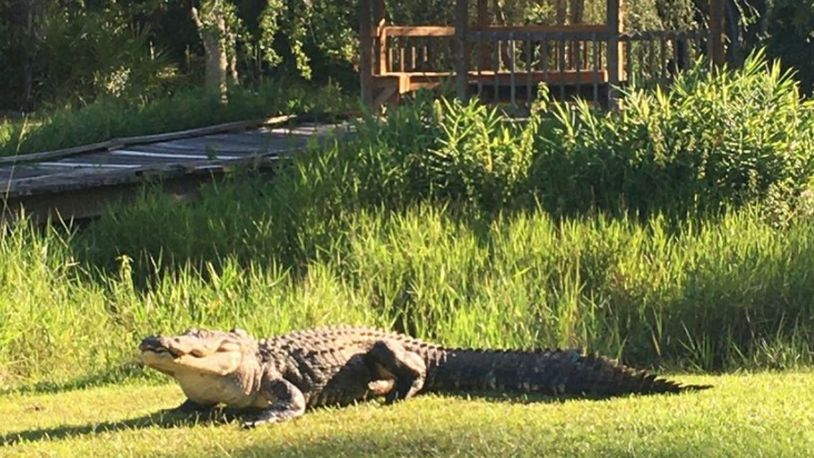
(435, 221)
(717, 139)
(83, 55)
(481, 154)
(714, 294)
(720, 139)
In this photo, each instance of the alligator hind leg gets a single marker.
(390, 360)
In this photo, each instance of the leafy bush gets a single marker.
(429, 150)
(718, 138)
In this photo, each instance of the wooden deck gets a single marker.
(80, 182)
(499, 62)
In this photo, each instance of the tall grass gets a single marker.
(728, 293)
(442, 222)
(716, 139)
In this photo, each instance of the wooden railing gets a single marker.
(655, 57)
(507, 64)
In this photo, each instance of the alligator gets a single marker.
(279, 378)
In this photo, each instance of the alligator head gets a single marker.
(212, 367)
(198, 351)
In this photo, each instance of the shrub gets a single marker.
(718, 138)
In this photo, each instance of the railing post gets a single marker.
(365, 53)
(484, 50)
(462, 59)
(380, 40)
(615, 51)
(716, 31)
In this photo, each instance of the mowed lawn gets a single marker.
(768, 414)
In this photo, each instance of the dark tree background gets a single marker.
(57, 53)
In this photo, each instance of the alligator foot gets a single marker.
(271, 416)
(189, 407)
(289, 403)
(390, 360)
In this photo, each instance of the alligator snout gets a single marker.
(179, 345)
(159, 344)
(150, 343)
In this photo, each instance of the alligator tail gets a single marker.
(553, 372)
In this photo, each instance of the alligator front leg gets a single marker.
(390, 360)
(289, 402)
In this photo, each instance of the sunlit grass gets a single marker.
(744, 415)
(728, 293)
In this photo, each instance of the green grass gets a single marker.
(435, 223)
(744, 415)
(728, 293)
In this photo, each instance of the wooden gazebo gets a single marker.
(507, 63)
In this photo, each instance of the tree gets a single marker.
(218, 26)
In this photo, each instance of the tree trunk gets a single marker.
(734, 34)
(233, 59)
(22, 17)
(217, 62)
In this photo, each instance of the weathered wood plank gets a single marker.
(81, 185)
(181, 149)
(244, 139)
(461, 48)
(84, 165)
(120, 142)
(615, 22)
(203, 147)
(148, 156)
(13, 173)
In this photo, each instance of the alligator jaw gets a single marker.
(172, 355)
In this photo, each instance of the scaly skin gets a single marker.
(282, 376)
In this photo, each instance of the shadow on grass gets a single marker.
(160, 419)
(222, 416)
(131, 371)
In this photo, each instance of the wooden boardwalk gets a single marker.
(80, 182)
